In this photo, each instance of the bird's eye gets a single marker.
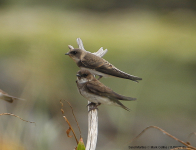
(74, 52)
(85, 75)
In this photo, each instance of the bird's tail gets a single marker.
(128, 98)
(124, 98)
(121, 105)
(135, 78)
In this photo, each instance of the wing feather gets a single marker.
(91, 61)
(100, 89)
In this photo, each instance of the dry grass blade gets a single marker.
(62, 107)
(191, 134)
(70, 128)
(75, 118)
(171, 136)
(68, 131)
(16, 117)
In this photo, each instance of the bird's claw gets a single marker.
(99, 77)
(93, 106)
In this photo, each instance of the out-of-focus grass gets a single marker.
(160, 48)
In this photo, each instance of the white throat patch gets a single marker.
(83, 80)
(75, 59)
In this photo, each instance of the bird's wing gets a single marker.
(110, 69)
(91, 61)
(103, 66)
(100, 89)
(97, 88)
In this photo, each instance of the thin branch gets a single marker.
(16, 117)
(75, 119)
(191, 134)
(70, 128)
(171, 136)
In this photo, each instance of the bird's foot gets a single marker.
(93, 106)
(99, 77)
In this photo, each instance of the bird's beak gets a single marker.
(67, 53)
(78, 75)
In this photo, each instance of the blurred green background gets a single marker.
(155, 40)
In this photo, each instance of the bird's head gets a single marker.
(84, 75)
(75, 53)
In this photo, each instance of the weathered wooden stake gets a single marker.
(92, 128)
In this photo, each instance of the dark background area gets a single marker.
(155, 40)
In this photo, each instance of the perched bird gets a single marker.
(8, 98)
(97, 65)
(96, 92)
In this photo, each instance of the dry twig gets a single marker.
(171, 136)
(16, 117)
(70, 127)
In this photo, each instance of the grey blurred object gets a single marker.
(99, 53)
(8, 98)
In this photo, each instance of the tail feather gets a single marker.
(122, 106)
(127, 76)
(109, 69)
(134, 78)
(128, 99)
(123, 98)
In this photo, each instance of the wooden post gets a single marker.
(92, 128)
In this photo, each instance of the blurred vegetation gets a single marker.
(155, 41)
(108, 5)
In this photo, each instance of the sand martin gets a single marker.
(97, 65)
(8, 98)
(96, 92)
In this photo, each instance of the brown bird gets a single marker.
(96, 92)
(97, 65)
(8, 98)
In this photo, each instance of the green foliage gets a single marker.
(81, 145)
